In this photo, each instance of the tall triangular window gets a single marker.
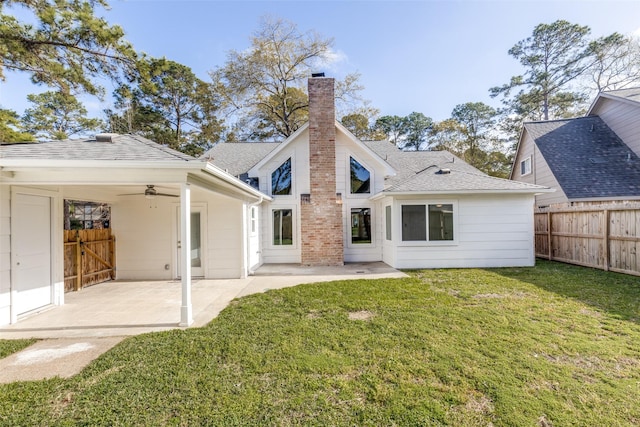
(281, 179)
(360, 177)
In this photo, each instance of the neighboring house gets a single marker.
(322, 197)
(337, 199)
(590, 159)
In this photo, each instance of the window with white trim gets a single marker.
(281, 179)
(360, 226)
(253, 216)
(525, 166)
(432, 222)
(387, 220)
(360, 177)
(282, 227)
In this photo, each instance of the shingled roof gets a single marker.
(439, 172)
(587, 158)
(238, 157)
(631, 94)
(103, 147)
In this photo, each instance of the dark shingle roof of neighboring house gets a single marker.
(104, 147)
(587, 158)
(422, 171)
(238, 157)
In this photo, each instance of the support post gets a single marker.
(186, 309)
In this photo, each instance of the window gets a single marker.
(414, 223)
(438, 223)
(387, 219)
(282, 227)
(254, 219)
(281, 179)
(360, 225)
(360, 177)
(525, 166)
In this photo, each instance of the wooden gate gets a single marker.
(89, 258)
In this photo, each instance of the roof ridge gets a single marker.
(168, 150)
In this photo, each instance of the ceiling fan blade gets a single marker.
(166, 195)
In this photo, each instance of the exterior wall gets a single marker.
(147, 234)
(389, 253)
(345, 148)
(492, 231)
(623, 118)
(5, 255)
(254, 254)
(540, 172)
(298, 150)
(57, 255)
(321, 219)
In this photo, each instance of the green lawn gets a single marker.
(552, 345)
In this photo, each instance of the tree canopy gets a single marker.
(169, 105)
(264, 86)
(553, 57)
(68, 47)
(11, 128)
(57, 115)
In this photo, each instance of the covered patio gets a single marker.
(123, 308)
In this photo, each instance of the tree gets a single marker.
(264, 87)
(169, 105)
(392, 126)
(11, 128)
(68, 47)
(553, 57)
(470, 134)
(408, 132)
(359, 123)
(615, 63)
(56, 115)
(417, 126)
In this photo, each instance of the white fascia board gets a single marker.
(20, 164)
(534, 191)
(278, 149)
(388, 169)
(235, 182)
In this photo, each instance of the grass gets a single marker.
(551, 345)
(8, 347)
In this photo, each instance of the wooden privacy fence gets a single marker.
(89, 258)
(605, 237)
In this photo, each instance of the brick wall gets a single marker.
(321, 216)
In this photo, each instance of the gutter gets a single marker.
(535, 191)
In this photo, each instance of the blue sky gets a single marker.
(426, 56)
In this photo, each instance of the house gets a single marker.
(168, 210)
(591, 159)
(321, 197)
(337, 199)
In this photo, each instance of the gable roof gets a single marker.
(440, 172)
(110, 147)
(587, 158)
(238, 157)
(630, 96)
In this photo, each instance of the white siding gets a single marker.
(5, 255)
(346, 148)
(225, 246)
(492, 231)
(623, 118)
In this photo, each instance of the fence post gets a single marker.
(549, 240)
(606, 242)
(78, 263)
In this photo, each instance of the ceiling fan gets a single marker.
(149, 193)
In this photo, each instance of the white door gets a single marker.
(197, 233)
(31, 252)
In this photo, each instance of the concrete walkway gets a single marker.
(96, 318)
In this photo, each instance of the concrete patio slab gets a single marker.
(96, 318)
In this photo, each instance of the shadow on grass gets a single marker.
(616, 293)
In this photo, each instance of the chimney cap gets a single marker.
(106, 137)
(317, 74)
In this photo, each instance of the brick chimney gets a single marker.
(321, 213)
